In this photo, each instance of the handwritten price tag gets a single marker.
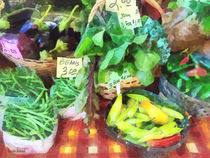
(116, 79)
(68, 67)
(11, 49)
(130, 20)
(121, 6)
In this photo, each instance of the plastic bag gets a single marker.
(71, 114)
(21, 146)
(1, 117)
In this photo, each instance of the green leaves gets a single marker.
(98, 38)
(146, 61)
(114, 56)
(140, 39)
(145, 77)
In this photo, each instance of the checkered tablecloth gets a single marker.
(72, 142)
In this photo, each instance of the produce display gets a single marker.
(141, 118)
(56, 57)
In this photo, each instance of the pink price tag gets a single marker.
(11, 49)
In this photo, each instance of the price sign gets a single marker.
(11, 49)
(130, 20)
(68, 67)
(121, 6)
(126, 75)
(115, 79)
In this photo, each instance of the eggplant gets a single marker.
(27, 46)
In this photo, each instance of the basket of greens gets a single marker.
(139, 51)
(185, 80)
(147, 123)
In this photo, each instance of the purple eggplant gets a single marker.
(27, 46)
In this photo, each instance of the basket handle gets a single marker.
(2, 4)
(100, 4)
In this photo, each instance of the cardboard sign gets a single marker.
(130, 20)
(115, 79)
(68, 67)
(120, 6)
(11, 49)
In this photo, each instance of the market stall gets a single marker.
(104, 78)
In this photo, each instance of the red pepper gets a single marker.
(184, 61)
(197, 71)
(165, 142)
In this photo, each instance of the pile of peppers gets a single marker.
(141, 121)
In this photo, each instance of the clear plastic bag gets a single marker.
(21, 146)
(70, 113)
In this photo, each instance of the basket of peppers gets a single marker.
(146, 122)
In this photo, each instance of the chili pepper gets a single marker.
(129, 112)
(165, 142)
(184, 61)
(142, 110)
(115, 111)
(167, 130)
(155, 113)
(205, 93)
(131, 102)
(141, 134)
(142, 116)
(138, 97)
(134, 121)
(196, 90)
(127, 127)
(181, 67)
(172, 113)
(197, 71)
(179, 83)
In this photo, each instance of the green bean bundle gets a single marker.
(63, 93)
(21, 82)
(30, 122)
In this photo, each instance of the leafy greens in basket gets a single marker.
(138, 50)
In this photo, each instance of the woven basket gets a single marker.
(43, 68)
(124, 86)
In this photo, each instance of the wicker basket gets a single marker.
(124, 86)
(43, 68)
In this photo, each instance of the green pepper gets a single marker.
(138, 97)
(142, 116)
(172, 113)
(166, 130)
(115, 111)
(141, 134)
(134, 120)
(142, 110)
(129, 112)
(127, 127)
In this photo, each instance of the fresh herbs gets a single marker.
(190, 74)
(119, 47)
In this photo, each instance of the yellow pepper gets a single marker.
(155, 113)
